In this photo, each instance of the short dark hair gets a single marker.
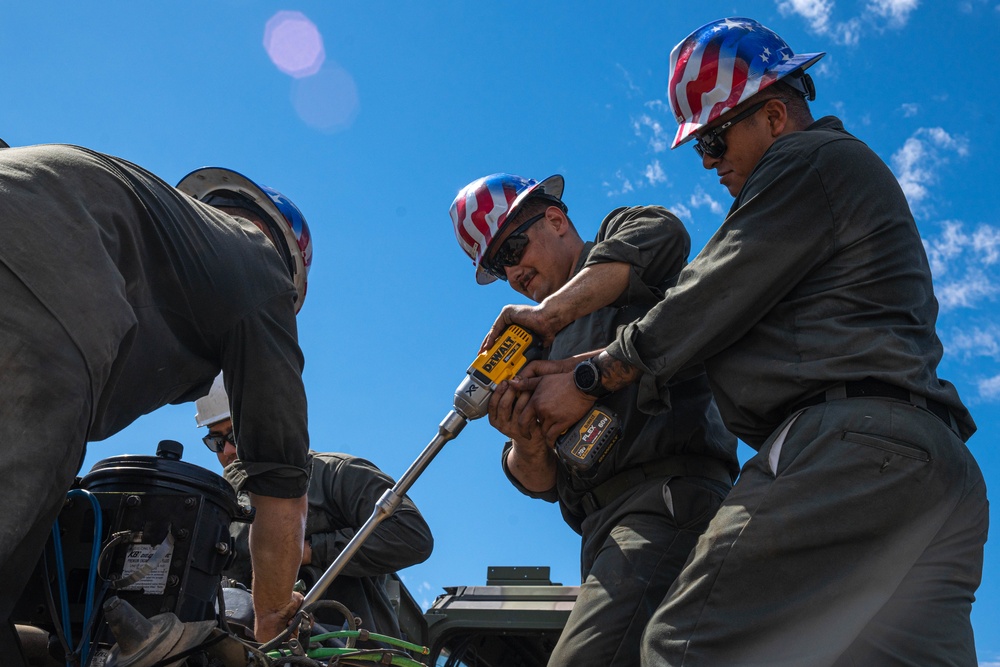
(794, 99)
(533, 206)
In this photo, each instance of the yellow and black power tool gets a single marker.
(505, 358)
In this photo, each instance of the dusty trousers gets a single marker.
(45, 412)
(858, 540)
(628, 572)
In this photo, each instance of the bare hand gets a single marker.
(505, 408)
(532, 318)
(555, 403)
(268, 624)
(541, 367)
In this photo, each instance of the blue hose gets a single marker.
(61, 578)
(95, 554)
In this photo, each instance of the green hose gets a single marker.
(385, 639)
(364, 655)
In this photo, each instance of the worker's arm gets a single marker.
(555, 403)
(591, 289)
(350, 488)
(276, 537)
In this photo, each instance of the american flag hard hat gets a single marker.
(723, 63)
(483, 206)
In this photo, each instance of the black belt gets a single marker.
(879, 389)
(670, 466)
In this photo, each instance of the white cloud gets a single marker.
(975, 342)
(910, 109)
(973, 287)
(624, 185)
(659, 139)
(964, 265)
(946, 247)
(816, 12)
(897, 12)
(877, 14)
(989, 389)
(848, 32)
(986, 241)
(633, 90)
(681, 211)
(701, 198)
(917, 163)
(654, 173)
(659, 106)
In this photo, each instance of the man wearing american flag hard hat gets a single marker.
(855, 535)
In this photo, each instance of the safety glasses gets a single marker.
(218, 442)
(512, 249)
(712, 144)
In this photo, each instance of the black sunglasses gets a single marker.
(218, 442)
(711, 142)
(511, 250)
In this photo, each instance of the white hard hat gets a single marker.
(213, 406)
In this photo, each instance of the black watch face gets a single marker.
(585, 377)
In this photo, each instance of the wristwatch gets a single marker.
(587, 377)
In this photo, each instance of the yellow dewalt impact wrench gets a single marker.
(505, 358)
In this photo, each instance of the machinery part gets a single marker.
(484, 206)
(586, 445)
(508, 355)
(224, 187)
(725, 62)
(161, 500)
(213, 406)
(161, 523)
(144, 642)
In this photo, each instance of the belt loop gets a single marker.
(837, 392)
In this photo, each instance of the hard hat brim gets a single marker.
(202, 182)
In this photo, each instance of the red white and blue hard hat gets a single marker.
(484, 206)
(722, 64)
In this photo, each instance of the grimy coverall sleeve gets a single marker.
(350, 487)
(772, 237)
(650, 239)
(262, 368)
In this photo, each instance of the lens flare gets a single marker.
(294, 44)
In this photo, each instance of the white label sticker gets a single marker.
(156, 581)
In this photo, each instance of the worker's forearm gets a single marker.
(401, 540)
(276, 537)
(593, 288)
(616, 373)
(534, 468)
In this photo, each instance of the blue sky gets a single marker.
(381, 110)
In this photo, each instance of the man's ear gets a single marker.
(556, 219)
(777, 117)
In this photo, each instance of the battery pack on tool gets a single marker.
(585, 445)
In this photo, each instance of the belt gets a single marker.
(671, 466)
(879, 389)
